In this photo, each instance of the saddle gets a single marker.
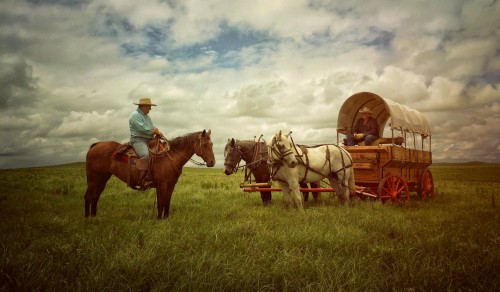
(157, 147)
(126, 153)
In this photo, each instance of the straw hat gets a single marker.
(365, 109)
(145, 101)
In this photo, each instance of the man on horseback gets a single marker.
(366, 129)
(141, 131)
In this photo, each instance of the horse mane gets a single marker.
(184, 141)
(248, 147)
(93, 145)
(247, 144)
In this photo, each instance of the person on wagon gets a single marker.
(366, 129)
(141, 131)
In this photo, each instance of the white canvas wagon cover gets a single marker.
(402, 118)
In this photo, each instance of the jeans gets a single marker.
(141, 146)
(369, 139)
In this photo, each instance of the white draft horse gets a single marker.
(291, 165)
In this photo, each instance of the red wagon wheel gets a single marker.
(393, 188)
(426, 185)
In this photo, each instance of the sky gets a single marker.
(71, 70)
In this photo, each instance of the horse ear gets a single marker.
(279, 135)
(232, 142)
(209, 132)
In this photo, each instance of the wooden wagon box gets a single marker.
(373, 163)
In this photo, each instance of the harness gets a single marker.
(273, 164)
(257, 157)
(303, 159)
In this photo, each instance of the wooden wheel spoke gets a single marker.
(394, 188)
(401, 188)
(426, 185)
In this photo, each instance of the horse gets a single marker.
(291, 165)
(255, 155)
(165, 169)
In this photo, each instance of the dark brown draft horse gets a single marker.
(165, 170)
(255, 155)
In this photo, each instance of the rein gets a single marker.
(254, 162)
(167, 152)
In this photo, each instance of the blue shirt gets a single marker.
(140, 125)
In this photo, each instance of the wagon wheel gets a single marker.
(426, 185)
(393, 188)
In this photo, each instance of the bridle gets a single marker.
(198, 142)
(276, 149)
(233, 161)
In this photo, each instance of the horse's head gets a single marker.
(232, 157)
(204, 148)
(280, 149)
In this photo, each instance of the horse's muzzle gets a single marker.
(210, 163)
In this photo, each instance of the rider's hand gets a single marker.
(157, 132)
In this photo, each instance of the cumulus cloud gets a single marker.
(70, 71)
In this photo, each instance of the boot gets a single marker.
(144, 179)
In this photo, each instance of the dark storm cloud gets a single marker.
(17, 83)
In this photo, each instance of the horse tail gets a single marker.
(351, 182)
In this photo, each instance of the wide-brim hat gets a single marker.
(145, 101)
(365, 109)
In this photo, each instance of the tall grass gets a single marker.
(219, 238)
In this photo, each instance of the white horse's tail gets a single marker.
(351, 182)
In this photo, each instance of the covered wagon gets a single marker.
(396, 164)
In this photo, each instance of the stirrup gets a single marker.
(147, 184)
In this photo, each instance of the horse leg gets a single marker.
(100, 188)
(166, 208)
(266, 198)
(346, 186)
(296, 195)
(338, 189)
(89, 194)
(341, 191)
(287, 199)
(261, 174)
(95, 187)
(316, 195)
(164, 195)
(161, 191)
(305, 194)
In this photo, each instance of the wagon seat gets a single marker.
(403, 119)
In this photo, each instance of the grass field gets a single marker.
(219, 238)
